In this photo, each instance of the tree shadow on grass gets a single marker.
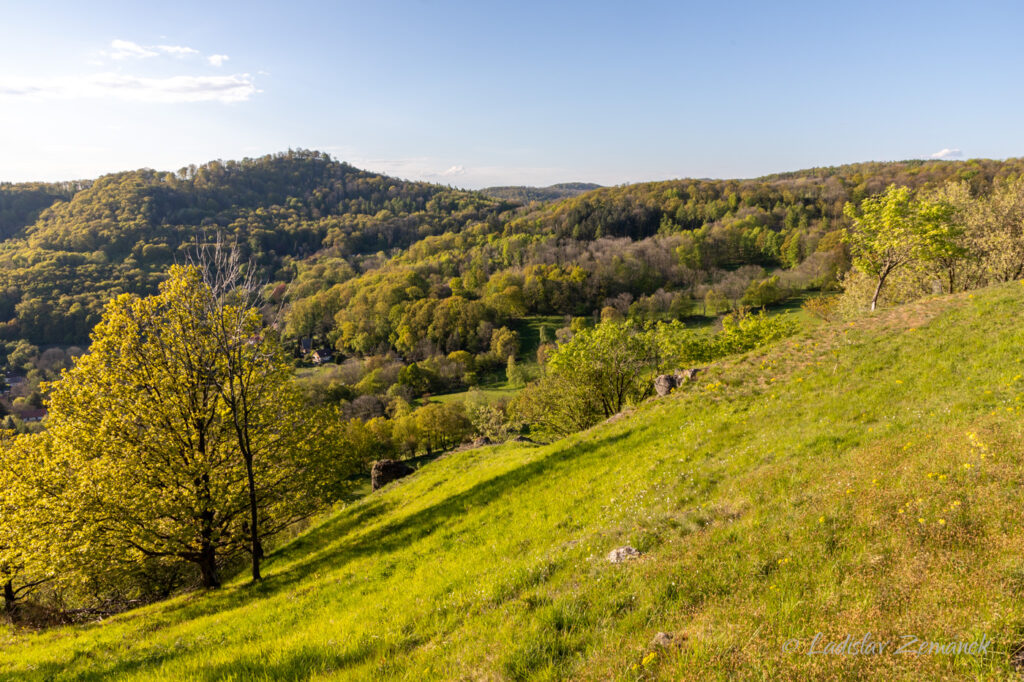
(334, 552)
(398, 534)
(300, 664)
(200, 603)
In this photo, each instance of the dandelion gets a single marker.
(967, 465)
(649, 658)
(821, 519)
(942, 522)
(920, 520)
(943, 477)
(901, 511)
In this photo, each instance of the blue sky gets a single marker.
(478, 93)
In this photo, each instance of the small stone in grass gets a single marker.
(663, 639)
(617, 556)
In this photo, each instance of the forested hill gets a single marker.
(378, 247)
(525, 195)
(22, 203)
(70, 247)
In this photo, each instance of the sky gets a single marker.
(481, 93)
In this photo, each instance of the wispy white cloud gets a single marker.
(177, 50)
(453, 172)
(948, 154)
(233, 88)
(126, 49)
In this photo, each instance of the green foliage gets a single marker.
(741, 333)
(514, 373)
(487, 417)
(591, 377)
(441, 426)
(504, 343)
(604, 368)
(715, 303)
(679, 346)
(893, 229)
(824, 307)
(418, 379)
(763, 293)
(153, 432)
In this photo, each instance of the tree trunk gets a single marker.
(256, 547)
(208, 567)
(207, 552)
(9, 599)
(878, 289)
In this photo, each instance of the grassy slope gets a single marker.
(863, 477)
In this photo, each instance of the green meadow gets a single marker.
(861, 477)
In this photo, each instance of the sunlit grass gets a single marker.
(857, 478)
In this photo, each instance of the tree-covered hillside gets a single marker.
(70, 247)
(74, 250)
(524, 195)
(389, 274)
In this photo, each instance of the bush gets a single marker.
(764, 292)
(824, 307)
(589, 378)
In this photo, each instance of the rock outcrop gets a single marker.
(386, 470)
(666, 383)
